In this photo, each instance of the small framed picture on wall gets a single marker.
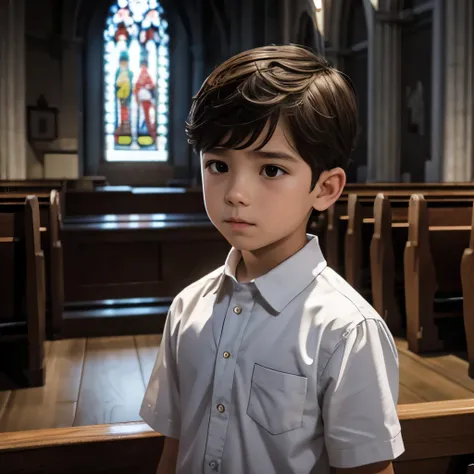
(42, 121)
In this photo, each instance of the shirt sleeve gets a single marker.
(359, 402)
(160, 406)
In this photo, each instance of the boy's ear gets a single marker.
(328, 188)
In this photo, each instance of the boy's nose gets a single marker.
(237, 195)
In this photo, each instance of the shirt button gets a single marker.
(221, 408)
(226, 355)
(237, 309)
(213, 465)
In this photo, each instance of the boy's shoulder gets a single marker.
(338, 309)
(336, 295)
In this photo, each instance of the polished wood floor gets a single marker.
(88, 382)
(102, 380)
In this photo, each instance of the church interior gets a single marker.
(103, 222)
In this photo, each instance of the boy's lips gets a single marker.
(238, 220)
(237, 224)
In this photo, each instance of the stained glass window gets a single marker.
(136, 82)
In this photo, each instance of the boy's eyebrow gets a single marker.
(276, 155)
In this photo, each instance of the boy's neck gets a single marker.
(254, 264)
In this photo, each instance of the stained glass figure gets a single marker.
(136, 82)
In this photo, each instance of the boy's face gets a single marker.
(268, 188)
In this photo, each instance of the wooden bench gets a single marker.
(22, 298)
(50, 221)
(40, 187)
(122, 271)
(336, 219)
(467, 279)
(387, 247)
(432, 270)
(362, 217)
(438, 437)
(135, 257)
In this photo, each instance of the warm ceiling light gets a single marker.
(318, 4)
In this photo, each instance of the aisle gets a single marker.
(102, 380)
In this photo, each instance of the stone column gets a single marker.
(286, 21)
(12, 90)
(457, 91)
(433, 167)
(384, 122)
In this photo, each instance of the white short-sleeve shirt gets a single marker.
(290, 373)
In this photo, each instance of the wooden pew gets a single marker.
(128, 200)
(438, 437)
(50, 221)
(122, 271)
(138, 256)
(22, 299)
(39, 187)
(433, 290)
(388, 247)
(467, 279)
(337, 216)
(360, 229)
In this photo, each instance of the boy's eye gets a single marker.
(272, 171)
(217, 167)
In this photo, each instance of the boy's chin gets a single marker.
(245, 243)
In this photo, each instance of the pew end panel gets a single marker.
(335, 237)
(420, 281)
(35, 293)
(56, 273)
(23, 302)
(467, 279)
(383, 268)
(353, 243)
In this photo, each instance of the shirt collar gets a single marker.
(284, 282)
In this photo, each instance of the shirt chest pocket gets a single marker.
(277, 399)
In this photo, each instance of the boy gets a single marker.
(273, 364)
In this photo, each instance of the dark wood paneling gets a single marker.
(137, 260)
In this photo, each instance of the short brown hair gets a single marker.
(258, 86)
